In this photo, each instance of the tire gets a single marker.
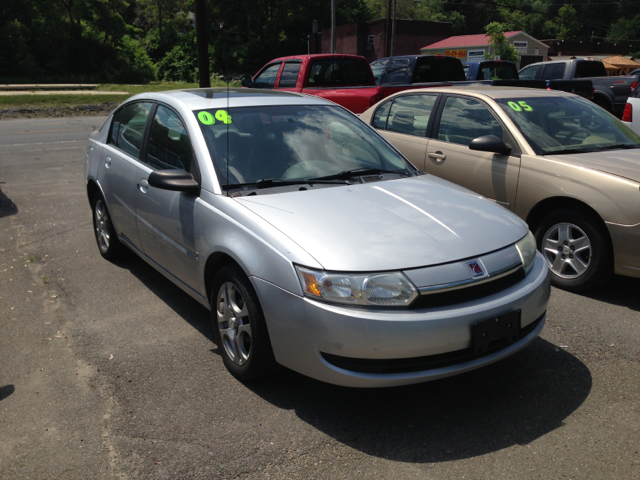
(583, 242)
(602, 103)
(239, 328)
(106, 236)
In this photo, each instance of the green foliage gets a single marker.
(140, 40)
(433, 10)
(625, 29)
(499, 44)
(567, 23)
(132, 63)
(179, 64)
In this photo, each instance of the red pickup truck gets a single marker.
(344, 79)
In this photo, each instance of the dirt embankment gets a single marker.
(62, 111)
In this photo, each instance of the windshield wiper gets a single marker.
(621, 146)
(358, 172)
(569, 150)
(275, 182)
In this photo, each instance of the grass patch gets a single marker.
(51, 101)
(63, 100)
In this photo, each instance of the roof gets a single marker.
(467, 40)
(620, 61)
(491, 91)
(203, 98)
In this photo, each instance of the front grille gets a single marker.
(421, 364)
(469, 293)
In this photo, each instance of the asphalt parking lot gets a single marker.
(107, 370)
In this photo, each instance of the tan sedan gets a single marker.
(567, 167)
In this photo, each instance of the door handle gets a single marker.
(107, 162)
(143, 185)
(439, 156)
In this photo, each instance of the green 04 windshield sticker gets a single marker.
(207, 118)
(520, 106)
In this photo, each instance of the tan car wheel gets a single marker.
(576, 249)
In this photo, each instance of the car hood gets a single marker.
(623, 163)
(390, 225)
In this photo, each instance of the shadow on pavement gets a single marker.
(620, 291)
(7, 207)
(185, 306)
(6, 391)
(512, 402)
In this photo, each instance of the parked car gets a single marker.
(628, 117)
(610, 93)
(344, 79)
(406, 72)
(567, 167)
(313, 242)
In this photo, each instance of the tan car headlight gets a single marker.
(390, 289)
(527, 249)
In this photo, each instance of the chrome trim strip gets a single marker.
(447, 287)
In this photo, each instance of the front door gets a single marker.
(166, 218)
(492, 175)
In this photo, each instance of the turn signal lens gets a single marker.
(309, 282)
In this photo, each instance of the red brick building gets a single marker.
(368, 38)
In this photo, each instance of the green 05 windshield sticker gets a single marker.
(520, 106)
(207, 118)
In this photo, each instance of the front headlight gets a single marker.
(527, 249)
(390, 289)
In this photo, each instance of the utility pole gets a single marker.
(393, 30)
(387, 29)
(202, 44)
(333, 26)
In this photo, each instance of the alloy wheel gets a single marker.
(567, 250)
(103, 233)
(233, 323)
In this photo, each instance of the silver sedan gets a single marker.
(315, 244)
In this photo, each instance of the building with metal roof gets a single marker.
(470, 48)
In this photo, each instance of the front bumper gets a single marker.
(626, 254)
(301, 330)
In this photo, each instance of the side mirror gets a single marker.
(174, 180)
(246, 82)
(490, 143)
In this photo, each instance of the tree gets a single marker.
(625, 30)
(499, 44)
(433, 10)
(567, 23)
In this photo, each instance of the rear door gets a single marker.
(118, 167)
(461, 119)
(404, 122)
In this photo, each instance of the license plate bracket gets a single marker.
(503, 328)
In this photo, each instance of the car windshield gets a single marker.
(562, 125)
(274, 145)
